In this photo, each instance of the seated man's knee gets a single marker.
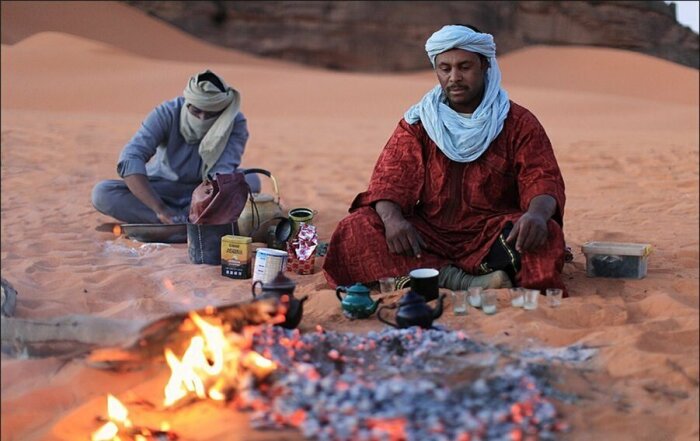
(100, 196)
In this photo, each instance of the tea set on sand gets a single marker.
(411, 310)
(356, 302)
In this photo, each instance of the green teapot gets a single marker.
(357, 302)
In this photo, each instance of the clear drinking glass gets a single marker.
(460, 302)
(554, 296)
(517, 297)
(531, 298)
(386, 284)
(489, 299)
(475, 296)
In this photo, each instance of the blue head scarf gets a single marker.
(462, 139)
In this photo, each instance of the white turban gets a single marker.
(462, 139)
(459, 37)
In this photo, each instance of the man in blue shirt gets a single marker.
(181, 142)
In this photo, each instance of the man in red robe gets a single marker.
(468, 184)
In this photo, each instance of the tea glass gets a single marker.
(386, 284)
(489, 299)
(531, 298)
(475, 296)
(460, 302)
(554, 296)
(517, 297)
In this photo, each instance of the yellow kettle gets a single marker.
(261, 210)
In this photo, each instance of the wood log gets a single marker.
(122, 344)
(68, 336)
(9, 298)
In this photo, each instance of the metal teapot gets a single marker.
(262, 210)
(278, 287)
(357, 302)
(413, 311)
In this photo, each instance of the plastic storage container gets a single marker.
(616, 259)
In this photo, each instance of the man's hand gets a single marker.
(530, 231)
(141, 188)
(170, 216)
(401, 236)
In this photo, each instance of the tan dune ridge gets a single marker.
(79, 77)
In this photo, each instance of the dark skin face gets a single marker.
(202, 114)
(462, 77)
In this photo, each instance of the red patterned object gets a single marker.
(302, 250)
(300, 266)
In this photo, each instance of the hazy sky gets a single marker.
(687, 13)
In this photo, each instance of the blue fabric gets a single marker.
(159, 151)
(462, 139)
(113, 198)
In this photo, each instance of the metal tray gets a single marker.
(164, 233)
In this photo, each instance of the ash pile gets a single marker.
(409, 384)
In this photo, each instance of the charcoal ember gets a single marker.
(401, 384)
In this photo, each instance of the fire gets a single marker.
(118, 415)
(106, 432)
(214, 362)
(117, 411)
(117, 230)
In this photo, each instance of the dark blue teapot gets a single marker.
(277, 288)
(413, 311)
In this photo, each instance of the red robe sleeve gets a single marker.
(536, 166)
(399, 172)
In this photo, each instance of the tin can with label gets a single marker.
(235, 257)
(269, 262)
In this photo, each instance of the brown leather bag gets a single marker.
(219, 201)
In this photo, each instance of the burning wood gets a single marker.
(176, 331)
(390, 385)
(118, 423)
(216, 360)
(120, 344)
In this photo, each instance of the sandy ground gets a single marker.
(78, 78)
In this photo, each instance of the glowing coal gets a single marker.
(407, 384)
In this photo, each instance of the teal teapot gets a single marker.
(357, 302)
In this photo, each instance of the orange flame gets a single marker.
(105, 433)
(214, 361)
(117, 230)
(211, 363)
(118, 415)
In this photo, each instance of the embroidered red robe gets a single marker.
(458, 208)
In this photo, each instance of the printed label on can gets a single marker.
(268, 262)
(235, 256)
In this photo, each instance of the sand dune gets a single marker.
(115, 24)
(78, 78)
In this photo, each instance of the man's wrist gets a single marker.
(387, 210)
(543, 207)
(160, 210)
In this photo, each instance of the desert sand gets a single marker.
(79, 77)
